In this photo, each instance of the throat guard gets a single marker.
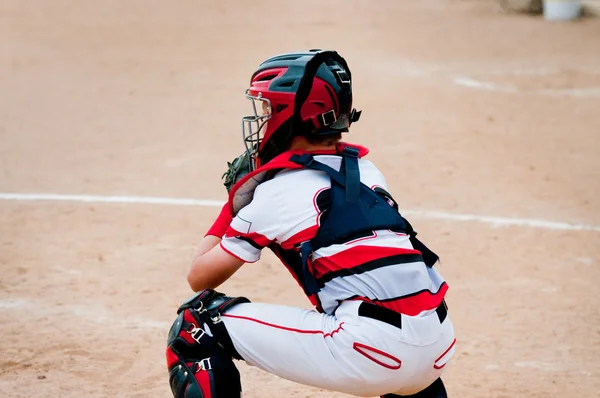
(242, 193)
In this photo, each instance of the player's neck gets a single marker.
(301, 143)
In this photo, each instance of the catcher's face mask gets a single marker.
(254, 126)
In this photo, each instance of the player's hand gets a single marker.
(236, 170)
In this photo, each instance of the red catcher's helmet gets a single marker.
(297, 94)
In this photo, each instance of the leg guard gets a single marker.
(200, 351)
(435, 390)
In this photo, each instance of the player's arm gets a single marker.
(212, 265)
(233, 241)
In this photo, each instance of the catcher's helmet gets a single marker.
(304, 93)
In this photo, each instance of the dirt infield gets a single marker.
(467, 110)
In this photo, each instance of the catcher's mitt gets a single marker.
(237, 169)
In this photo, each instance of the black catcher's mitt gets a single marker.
(236, 170)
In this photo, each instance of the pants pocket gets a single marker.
(445, 356)
(378, 356)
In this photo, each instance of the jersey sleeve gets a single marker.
(254, 227)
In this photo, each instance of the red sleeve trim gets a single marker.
(222, 222)
(233, 254)
(258, 239)
(231, 232)
(302, 236)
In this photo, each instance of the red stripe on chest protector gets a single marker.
(302, 236)
(303, 331)
(354, 256)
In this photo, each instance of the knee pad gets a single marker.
(200, 351)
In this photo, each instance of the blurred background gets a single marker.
(483, 115)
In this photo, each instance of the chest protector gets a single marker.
(353, 209)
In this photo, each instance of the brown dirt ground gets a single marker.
(143, 98)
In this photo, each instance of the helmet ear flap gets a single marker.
(337, 82)
(306, 82)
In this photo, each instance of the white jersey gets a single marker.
(381, 267)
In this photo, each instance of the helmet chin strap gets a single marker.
(278, 143)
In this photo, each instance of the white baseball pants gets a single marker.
(342, 352)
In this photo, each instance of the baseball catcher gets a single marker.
(380, 325)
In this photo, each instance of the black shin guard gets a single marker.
(435, 390)
(212, 377)
(200, 351)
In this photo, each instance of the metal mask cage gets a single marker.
(253, 125)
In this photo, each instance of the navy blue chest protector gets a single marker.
(353, 209)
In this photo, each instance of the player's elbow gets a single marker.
(211, 269)
(196, 278)
(196, 283)
(192, 282)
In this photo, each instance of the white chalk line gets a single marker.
(476, 84)
(435, 215)
(93, 313)
(458, 76)
(111, 199)
(502, 221)
(489, 86)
